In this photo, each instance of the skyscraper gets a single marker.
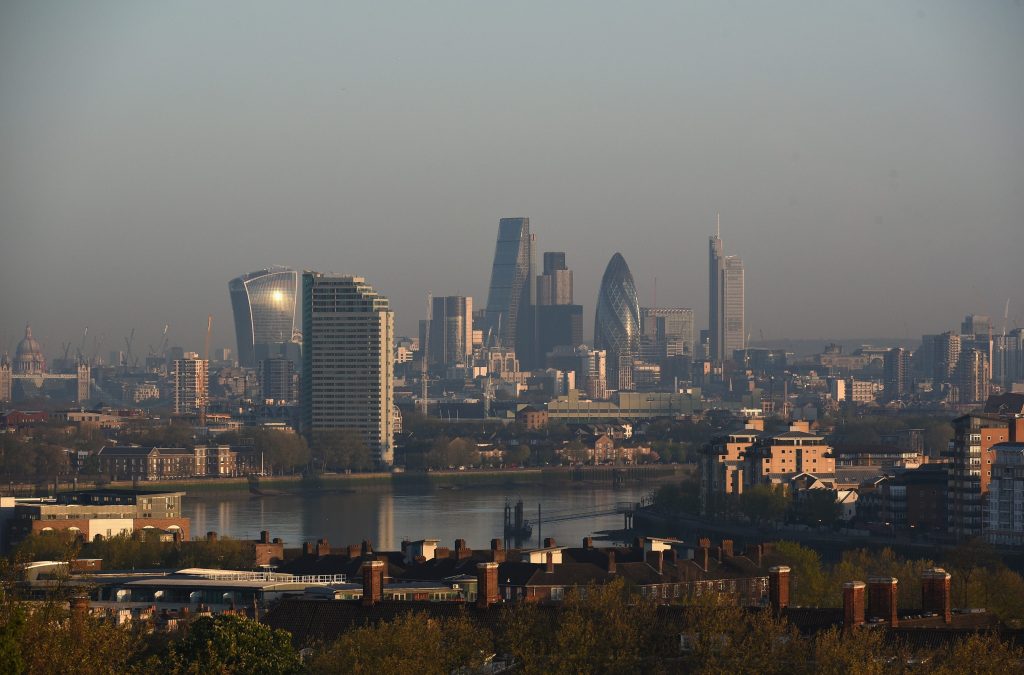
(264, 304)
(348, 363)
(617, 322)
(451, 330)
(559, 321)
(509, 301)
(897, 373)
(726, 328)
(666, 332)
(190, 384)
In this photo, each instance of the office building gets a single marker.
(509, 316)
(617, 322)
(973, 376)
(554, 286)
(725, 301)
(589, 367)
(897, 374)
(191, 379)
(264, 306)
(665, 332)
(450, 342)
(278, 380)
(348, 360)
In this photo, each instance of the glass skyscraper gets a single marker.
(509, 316)
(617, 322)
(264, 304)
(725, 301)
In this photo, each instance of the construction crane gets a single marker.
(1006, 317)
(128, 354)
(206, 356)
(81, 346)
(425, 358)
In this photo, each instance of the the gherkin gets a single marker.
(617, 322)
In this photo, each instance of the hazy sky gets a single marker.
(867, 157)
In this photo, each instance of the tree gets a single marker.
(341, 449)
(808, 582)
(576, 452)
(836, 652)
(763, 503)
(282, 451)
(517, 454)
(230, 644)
(411, 643)
(816, 508)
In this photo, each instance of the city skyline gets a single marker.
(128, 159)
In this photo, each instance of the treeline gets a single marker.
(603, 630)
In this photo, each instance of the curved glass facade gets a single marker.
(617, 321)
(509, 306)
(263, 303)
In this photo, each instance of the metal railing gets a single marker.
(275, 576)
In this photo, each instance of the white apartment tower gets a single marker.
(348, 360)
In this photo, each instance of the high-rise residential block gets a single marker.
(509, 317)
(264, 306)
(970, 470)
(191, 377)
(897, 373)
(726, 299)
(348, 360)
(973, 376)
(1004, 524)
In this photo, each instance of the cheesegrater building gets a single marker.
(348, 363)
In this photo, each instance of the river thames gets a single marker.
(386, 515)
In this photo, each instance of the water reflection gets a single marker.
(386, 515)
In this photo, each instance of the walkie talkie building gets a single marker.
(266, 325)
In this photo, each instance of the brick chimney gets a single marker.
(656, 560)
(727, 548)
(322, 548)
(588, 542)
(486, 584)
(611, 562)
(549, 542)
(461, 550)
(211, 536)
(307, 548)
(366, 548)
(754, 553)
(264, 537)
(778, 587)
(882, 598)
(497, 551)
(354, 551)
(442, 552)
(373, 582)
(853, 604)
(550, 566)
(702, 556)
(935, 593)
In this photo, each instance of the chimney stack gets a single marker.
(588, 542)
(853, 604)
(354, 551)
(754, 553)
(486, 584)
(702, 556)
(549, 542)
(727, 548)
(882, 597)
(307, 548)
(461, 550)
(497, 551)
(550, 567)
(265, 537)
(611, 562)
(322, 548)
(656, 560)
(935, 593)
(366, 548)
(778, 587)
(211, 536)
(373, 582)
(79, 605)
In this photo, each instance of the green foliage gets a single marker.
(228, 644)
(282, 451)
(448, 453)
(412, 643)
(682, 497)
(764, 503)
(816, 508)
(809, 584)
(340, 449)
(517, 454)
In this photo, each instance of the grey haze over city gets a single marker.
(866, 158)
